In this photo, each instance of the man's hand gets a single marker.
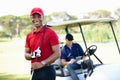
(37, 65)
(28, 56)
(71, 61)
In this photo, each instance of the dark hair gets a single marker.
(69, 37)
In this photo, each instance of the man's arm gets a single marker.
(64, 62)
(49, 60)
(83, 57)
(27, 54)
(56, 54)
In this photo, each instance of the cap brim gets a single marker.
(70, 39)
(37, 13)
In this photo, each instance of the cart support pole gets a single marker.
(83, 36)
(114, 36)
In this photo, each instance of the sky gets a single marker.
(73, 7)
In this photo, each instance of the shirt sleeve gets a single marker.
(27, 43)
(63, 56)
(54, 40)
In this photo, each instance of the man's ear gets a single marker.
(42, 17)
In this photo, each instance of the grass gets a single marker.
(4, 76)
(13, 65)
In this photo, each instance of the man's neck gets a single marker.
(36, 29)
(69, 45)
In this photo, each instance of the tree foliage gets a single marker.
(21, 25)
(100, 14)
(117, 12)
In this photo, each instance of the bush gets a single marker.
(3, 34)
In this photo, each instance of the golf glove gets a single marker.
(36, 53)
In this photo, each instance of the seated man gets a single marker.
(69, 53)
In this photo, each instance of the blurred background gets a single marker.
(15, 23)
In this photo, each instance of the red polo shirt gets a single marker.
(33, 42)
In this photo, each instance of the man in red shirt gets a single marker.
(41, 47)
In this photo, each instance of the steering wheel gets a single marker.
(91, 50)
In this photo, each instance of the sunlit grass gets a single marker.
(14, 77)
(8, 46)
(13, 65)
(5, 39)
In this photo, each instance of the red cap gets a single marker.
(36, 10)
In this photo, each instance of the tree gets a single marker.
(99, 14)
(8, 24)
(117, 12)
(61, 16)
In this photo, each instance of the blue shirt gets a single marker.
(71, 53)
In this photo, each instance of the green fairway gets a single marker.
(13, 65)
(14, 77)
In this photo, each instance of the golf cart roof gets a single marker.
(71, 23)
(81, 21)
(95, 72)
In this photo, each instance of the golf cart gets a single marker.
(97, 71)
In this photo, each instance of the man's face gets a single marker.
(37, 20)
(68, 42)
